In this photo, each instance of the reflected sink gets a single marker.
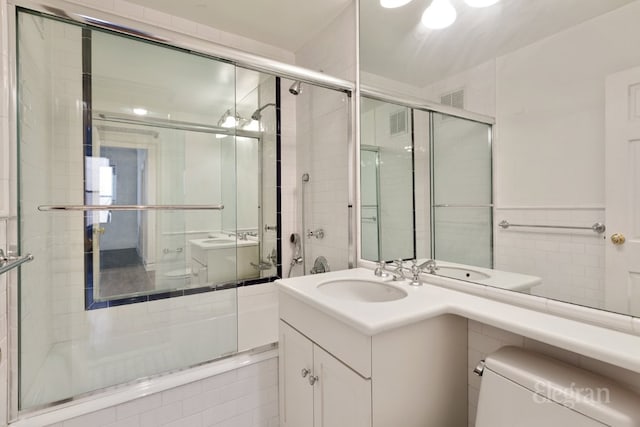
(361, 290)
(217, 240)
(461, 273)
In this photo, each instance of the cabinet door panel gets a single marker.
(296, 394)
(342, 398)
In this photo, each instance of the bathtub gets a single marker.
(78, 366)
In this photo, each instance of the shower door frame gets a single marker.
(87, 15)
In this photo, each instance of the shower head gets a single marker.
(296, 88)
(257, 115)
(305, 177)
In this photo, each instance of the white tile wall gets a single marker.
(289, 175)
(243, 397)
(571, 264)
(322, 135)
(485, 339)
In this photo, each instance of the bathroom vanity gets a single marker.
(221, 259)
(336, 371)
(359, 350)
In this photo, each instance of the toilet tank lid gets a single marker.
(593, 395)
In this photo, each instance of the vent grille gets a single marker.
(453, 99)
(398, 122)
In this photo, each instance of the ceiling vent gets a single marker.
(398, 122)
(453, 99)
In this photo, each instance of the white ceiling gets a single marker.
(288, 24)
(395, 45)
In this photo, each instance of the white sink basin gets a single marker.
(361, 290)
(215, 240)
(461, 273)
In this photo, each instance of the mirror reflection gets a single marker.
(149, 123)
(561, 82)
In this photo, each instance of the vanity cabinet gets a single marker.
(316, 388)
(411, 376)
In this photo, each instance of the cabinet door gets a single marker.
(341, 397)
(296, 393)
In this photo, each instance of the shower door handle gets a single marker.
(9, 262)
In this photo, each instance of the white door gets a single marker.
(341, 397)
(295, 366)
(622, 286)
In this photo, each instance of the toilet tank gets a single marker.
(525, 389)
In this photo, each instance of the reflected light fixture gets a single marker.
(481, 3)
(228, 120)
(440, 14)
(391, 4)
(139, 111)
(253, 125)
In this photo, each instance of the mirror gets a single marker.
(561, 83)
(161, 139)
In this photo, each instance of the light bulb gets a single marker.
(390, 4)
(440, 14)
(139, 111)
(481, 3)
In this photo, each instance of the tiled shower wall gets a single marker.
(322, 131)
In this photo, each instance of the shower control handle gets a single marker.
(318, 234)
(305, 372)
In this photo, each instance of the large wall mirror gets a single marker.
(561, 79)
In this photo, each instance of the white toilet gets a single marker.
(524, 389)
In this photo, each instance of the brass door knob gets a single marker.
(99, 230)
(618, 239)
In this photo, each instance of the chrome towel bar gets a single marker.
(46, 208)
(598, 227)
(8, 262)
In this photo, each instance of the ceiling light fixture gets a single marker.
(481, 3)
(139, 111)
(391, 4)
(440, 14)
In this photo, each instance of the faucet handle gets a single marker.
(415, 272)
(380, 269)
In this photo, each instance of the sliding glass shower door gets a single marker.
(462, 201)
(129, 200)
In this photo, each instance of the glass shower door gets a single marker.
(462, 206)
(146, 284)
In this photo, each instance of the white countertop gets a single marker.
(497, 278)
(427, 301)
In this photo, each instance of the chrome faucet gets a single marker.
(429, 266)
(380, 270)
(396, 274)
